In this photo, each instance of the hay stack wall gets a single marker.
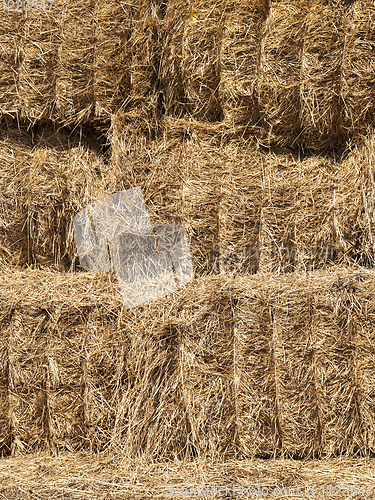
(262, 366)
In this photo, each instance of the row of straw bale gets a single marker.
(260, 366)
(289, 72)
(73, 62)
(292, 73)
(244, 210)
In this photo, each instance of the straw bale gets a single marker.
(322, 75)
(299, 394)
(355, 202)
(357, 91)
(105, 376)
(240, 211)
(67, 380)
(146, 49)
(151, 419)
(241, 62)
(10, 39)
(15, 154)
(206, 356)
(200, 60)
(180, 181)
(259, 432)
(201, 194)
(171, 79)
(58, 389)
(113, 25)
(76, 63)
(282, 69)
(28, 378)
(298, 214)
(38, 56)
(303, 362)
(337, 373)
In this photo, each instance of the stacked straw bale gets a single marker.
(180, 180)
(112, 66)
(298, 213)
(281, 70)
(357, 91)
(241, 61)
(42, 188)
(171, 78)
(10, 39)
(38, 59)
(151, 418)
(242, 187)
(323, 72)
(76, 62)
(27, 341)
(300, 381)
(200, 60)
(260, 366)
(206, 354)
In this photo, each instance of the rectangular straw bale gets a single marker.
(299, 395)
(15, 157)
(240, 211)
(241, 61)
(105, 375)
(282, 68)
(321, 89)
(201, 194)
(304, 358)
(298, 214)
(38, 55)
(355, 199)
(10, 39)
(113, 25)
(337, 373)
(171, 76)
(207, 374)
(324, 361)
(201, 46)
(28, 408)
(151, 420)
(259, 432)
(76, 63)
(146, 49)
(358, 98)
(76, 391)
